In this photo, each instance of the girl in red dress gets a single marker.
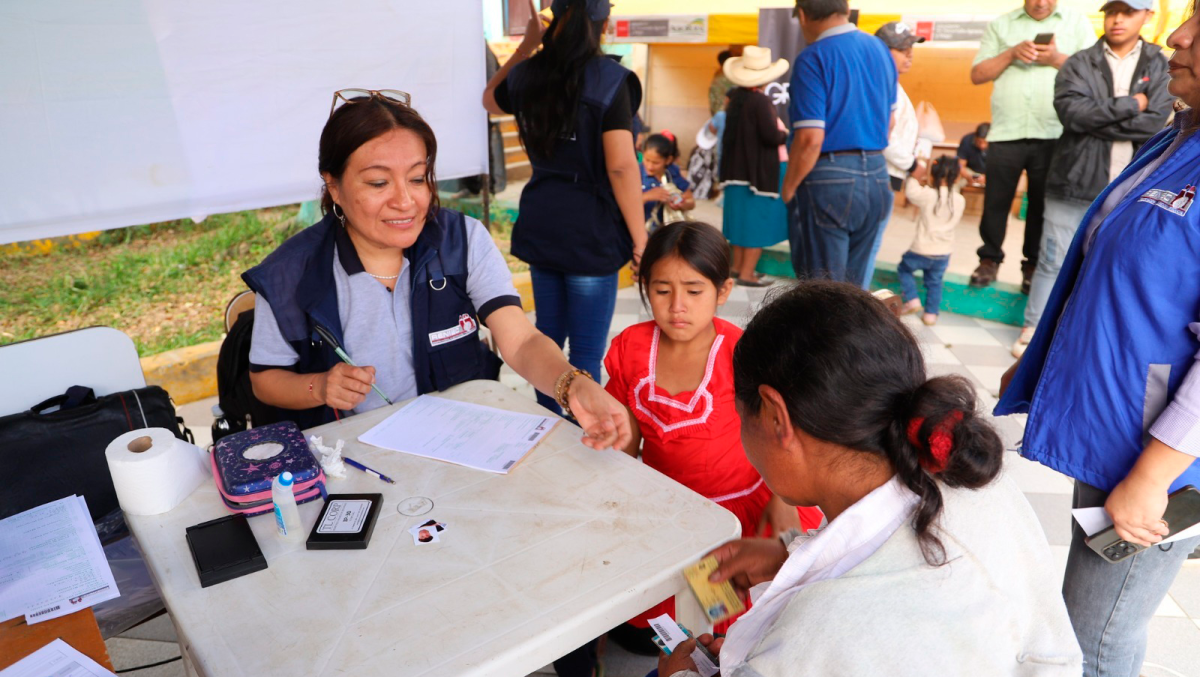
(675, 374)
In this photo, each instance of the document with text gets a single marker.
(52, 563)
(466, 434)
(56, 659)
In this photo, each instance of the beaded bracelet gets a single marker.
(562, 388)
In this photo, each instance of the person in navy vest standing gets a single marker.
(580, 217)
(1110, 380)
(401, 284)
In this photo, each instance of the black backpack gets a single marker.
(234, 392)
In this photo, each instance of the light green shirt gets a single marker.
(1023, 95)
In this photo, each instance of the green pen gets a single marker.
(337, 349)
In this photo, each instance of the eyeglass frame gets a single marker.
(404, 99)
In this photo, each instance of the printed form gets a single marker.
(458, 432)
(57, 659)
(51, 562)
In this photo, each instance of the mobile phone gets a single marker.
(1043, 38)
(1183, 512)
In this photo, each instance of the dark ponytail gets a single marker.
(944, 173)
(554, 79)
(852, 374)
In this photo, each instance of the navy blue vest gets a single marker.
(569, 219)
(297, 280)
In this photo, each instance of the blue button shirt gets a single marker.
(845, 83)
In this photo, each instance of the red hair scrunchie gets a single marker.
(941, 440)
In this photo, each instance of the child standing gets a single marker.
(665, 193)
(675, 374)
(941, 208)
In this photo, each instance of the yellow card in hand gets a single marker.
(718, 600)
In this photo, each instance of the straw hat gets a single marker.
(754, 68)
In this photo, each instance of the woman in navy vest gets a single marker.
(580, 216)
(1110, 380)
(402, 285)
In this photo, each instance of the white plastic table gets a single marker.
(533, 564)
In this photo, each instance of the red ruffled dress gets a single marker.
(692, 437)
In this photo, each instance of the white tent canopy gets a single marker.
(127, 112)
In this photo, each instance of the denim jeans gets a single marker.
(836, 215)
(1111, 604)
(574, 309)
(1059, 223)
(933, 267)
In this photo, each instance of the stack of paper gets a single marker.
(51, 562)
(458, 432)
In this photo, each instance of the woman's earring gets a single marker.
(341, 215)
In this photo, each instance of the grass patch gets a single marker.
(165, 284)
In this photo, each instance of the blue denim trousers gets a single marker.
(933, 269)
(1111, 604)
(1060, 220)
(576, 310)
(836, 214)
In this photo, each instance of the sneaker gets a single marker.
(929, 319)
(758, 281)
(913, 306)
(985, 274)
(1027, 270)
(1018, 348)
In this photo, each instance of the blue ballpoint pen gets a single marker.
(355, 464)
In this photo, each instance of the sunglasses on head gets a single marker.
(349, 96)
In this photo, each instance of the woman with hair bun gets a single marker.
(931, 564)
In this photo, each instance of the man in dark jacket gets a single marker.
(1110, 98)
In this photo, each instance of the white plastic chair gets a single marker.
(101, 358)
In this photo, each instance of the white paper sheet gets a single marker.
(1095, 520)
(57, 659)
(458, 432)
(51, 562)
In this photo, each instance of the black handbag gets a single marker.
(48, 455)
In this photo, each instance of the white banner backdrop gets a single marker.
(127, 112)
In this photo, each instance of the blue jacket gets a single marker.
(569, 219)
(1113, 344)
(297, 280)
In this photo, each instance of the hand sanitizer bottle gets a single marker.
(287, 517)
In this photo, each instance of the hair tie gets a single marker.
(941, 440)
(667, 133)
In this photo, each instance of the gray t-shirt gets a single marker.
(377, 323)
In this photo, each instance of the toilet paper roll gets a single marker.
(153, 471)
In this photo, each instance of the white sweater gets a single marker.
(940, 211)
(993, 610)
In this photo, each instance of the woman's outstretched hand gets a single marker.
(604, 420)
(747, 562)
